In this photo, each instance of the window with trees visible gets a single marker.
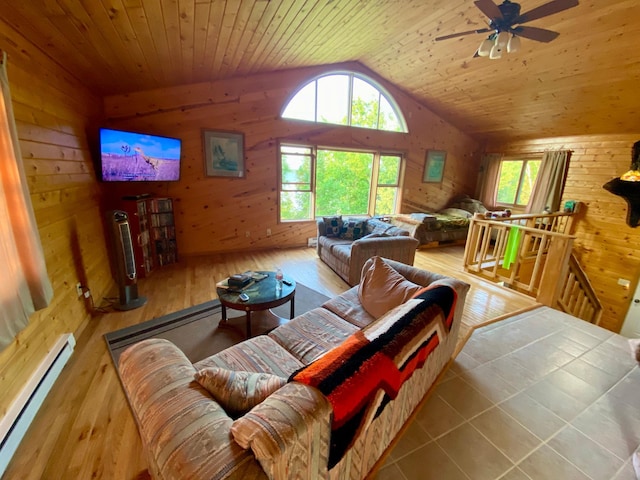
(515, 181)
(318, 182)
(346, 99)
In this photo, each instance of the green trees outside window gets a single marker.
(343, 182)
(345, 98)
(296, 166)
(516, 181)
(324, 182)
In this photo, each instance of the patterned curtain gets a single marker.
(547, 191)
(25, 286)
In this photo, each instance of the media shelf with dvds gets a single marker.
(153, 229)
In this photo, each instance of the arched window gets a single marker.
(346, 98)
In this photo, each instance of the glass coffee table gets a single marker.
(263, 296)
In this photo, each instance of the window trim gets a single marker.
(382, 91)
(514, 158)
(374, 183)
(312, 180)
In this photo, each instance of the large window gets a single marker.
(322, 181)
(346, 99)
(296, 188)
(516, 180)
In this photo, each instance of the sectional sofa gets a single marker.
(323, 396)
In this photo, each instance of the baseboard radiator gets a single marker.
(22, 411)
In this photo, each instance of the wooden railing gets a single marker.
(578, 297)
(531, 254)
(558, 222)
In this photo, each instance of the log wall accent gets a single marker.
(222, 214)
(606, 247)
(53, 114)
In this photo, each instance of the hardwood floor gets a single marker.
(85, 429)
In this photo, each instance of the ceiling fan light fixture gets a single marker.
(505, 19)
(514, 44)
(503, 39)
(485, 47)
(496, 52)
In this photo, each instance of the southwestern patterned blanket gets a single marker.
(366, 371)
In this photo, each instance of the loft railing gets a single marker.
(532, 254)
(578, 297)
(559, 222)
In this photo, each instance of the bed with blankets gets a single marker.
(450, 224)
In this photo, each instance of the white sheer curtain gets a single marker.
(547, 191)
(488, 179)
(24, 286)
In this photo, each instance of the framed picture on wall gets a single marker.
(434, 166)
(223, 154)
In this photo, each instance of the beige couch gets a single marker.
(188, 435)
(346, 255)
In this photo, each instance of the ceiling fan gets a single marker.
(505, 23)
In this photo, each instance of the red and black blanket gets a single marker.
(366, 371)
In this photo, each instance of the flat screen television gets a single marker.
(138, 157)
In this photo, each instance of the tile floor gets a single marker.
(542, 395)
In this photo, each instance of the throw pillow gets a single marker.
(381, 288)
(333, 225)
(353, 229)
(237, 391)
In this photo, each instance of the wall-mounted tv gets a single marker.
(138, 157)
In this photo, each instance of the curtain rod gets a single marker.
(529, 152)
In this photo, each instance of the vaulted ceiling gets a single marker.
(587, 81)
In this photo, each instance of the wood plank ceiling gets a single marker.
(587, 81)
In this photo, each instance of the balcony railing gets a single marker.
(532, 254)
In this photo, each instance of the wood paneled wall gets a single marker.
(607, 248)
(222, 214)
(54, 113)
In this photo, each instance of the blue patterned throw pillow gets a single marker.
(333, 226)
(353, 229)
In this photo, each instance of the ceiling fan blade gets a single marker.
(535, 33)
(489, 8)
(469, 32)
(550, 8)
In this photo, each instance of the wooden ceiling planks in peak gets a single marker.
(288, 22)
(258, 38)
(226, 31)
(142, 39)
(86, 31)
(582, 82)
(307, 38)
(134, 36)
(212, 38)
(43, 33)
(285, 18)
(339, 29)
(187, 16)
(246, 23)
(171, 22)
(200, 28)
(262, 36)
(335, 30)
